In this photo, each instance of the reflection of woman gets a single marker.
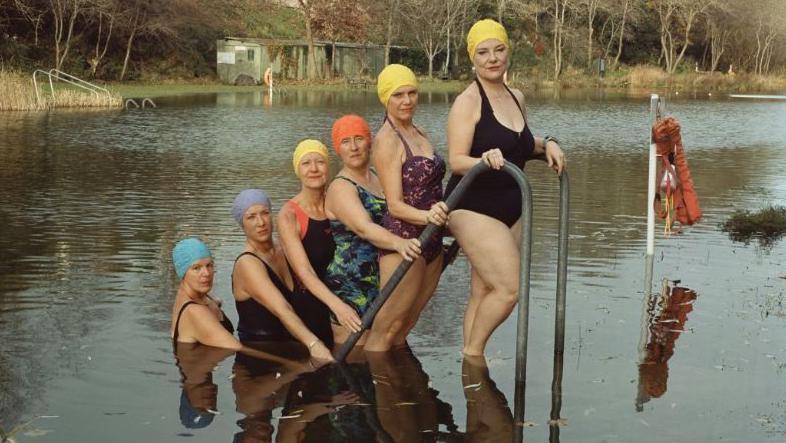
(262, 283)
(406, 406)
(199, 397)
(488, 414)
(196, 316)
(411, 175)
(308, 242)
(261, 386)
(355, 206)
(488, 123)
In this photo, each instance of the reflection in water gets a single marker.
(488, 415)
(407, 406)
(665, 321)
(200, 395)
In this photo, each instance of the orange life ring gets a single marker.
(268, 77)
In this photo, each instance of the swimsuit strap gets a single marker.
(400, 136)
(179, 314)
(269, 268)
(301, 216)
(361, 188)
(484, 100)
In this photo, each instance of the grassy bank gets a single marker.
(17, 93)
(651, 77)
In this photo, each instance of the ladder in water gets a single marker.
(56, 74)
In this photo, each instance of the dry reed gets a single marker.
(18, 94)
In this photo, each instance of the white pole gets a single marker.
(650, 259)
(654, 99)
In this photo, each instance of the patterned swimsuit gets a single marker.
(353, 274)
(421, 184)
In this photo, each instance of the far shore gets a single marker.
(636, 79)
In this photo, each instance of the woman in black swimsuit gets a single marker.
(305, 234)
(262, 282)
(196, 316)
(488, 123)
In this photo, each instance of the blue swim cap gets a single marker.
(191, 417)
(246, 199)
(186, 252)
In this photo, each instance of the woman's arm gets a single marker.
(343, 202)
(253, 278)
(289, 233)
(207, 329)
(388, 161)
(464, 115)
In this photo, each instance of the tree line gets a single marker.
(118, 39)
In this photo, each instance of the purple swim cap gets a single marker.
(246, 199)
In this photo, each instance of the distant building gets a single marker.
(236, 57)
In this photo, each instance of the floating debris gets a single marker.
(287, 417)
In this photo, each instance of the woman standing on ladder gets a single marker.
(488, 123)
(411, 174)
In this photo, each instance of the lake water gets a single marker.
(92, 202)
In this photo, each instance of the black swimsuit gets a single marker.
(495, 193)
(256, 322)
(225, 322)
(318, 243)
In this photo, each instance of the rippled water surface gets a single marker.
(91, 203)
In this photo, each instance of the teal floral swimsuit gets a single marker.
(353, 274)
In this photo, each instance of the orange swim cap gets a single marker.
(349, 126)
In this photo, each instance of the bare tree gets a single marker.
(429, 21)
(104, 11)
(558, 14)
(34, 12)
(307, 8)
(390, 27)
(592, 7)
(677, 18)
(64, 14)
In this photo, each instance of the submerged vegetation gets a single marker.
(17, 93)
(767, 225)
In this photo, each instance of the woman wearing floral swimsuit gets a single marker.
(411, 174)
(355, 205)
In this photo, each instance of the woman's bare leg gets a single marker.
(494, 257)
(393, 318)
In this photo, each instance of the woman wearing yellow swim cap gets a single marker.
(488, 123)
(305, 234)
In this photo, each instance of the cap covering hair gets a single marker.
(246, 199)
(393, 77)
(186, 252)
(349, 126)
(483, 30)
(308, 146)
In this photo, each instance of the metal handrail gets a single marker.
(426, 238)
(522, 328)
(67, 78)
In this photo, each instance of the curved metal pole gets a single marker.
(425, 239)
(559, 316)
(522, 328)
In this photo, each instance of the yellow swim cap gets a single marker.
(307, 147)
(392, 78)
(483, 30)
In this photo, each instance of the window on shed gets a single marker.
(251, 55)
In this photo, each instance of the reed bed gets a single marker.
(18, 94)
